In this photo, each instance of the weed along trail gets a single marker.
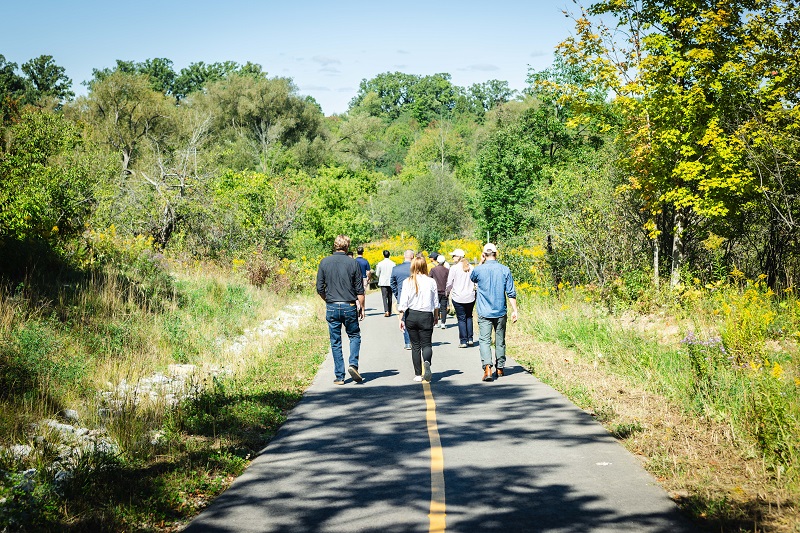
(458, 454)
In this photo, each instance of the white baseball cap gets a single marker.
(459, 252)
(489, 248)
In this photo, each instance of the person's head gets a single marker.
(440, 259)
(360, 250)
(408, 255)
(341, 243)
(490, 251)
(458, 257)
(386, 254)
(418, 266)
(349, 254)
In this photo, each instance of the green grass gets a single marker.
(755, 406)
(60, 352)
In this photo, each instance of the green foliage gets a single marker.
(46, 179)
(337, 205)
(509, 168)
(47, 80)
(32, 362)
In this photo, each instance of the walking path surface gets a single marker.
(515, 455)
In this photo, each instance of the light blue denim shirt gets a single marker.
(495, 282)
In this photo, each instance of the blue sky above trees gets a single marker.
(326, 47)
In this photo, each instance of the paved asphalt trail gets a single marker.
(517, 455)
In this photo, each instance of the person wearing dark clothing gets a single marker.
(439, 273)
(340, 284)
(364, 266)
(399, 274)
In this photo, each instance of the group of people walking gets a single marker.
(422, 298)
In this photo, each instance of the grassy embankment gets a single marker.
(153, 404)
(705, 391)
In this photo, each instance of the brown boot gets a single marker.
(487, 373)
(500, 373)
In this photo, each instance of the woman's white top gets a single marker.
(461, 289)
(426, 299)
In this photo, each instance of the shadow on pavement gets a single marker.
(369, 469)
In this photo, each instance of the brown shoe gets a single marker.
(500, 372)
(487, 373)
(385, 314)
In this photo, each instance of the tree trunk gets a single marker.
(678, 249)
(656, 273)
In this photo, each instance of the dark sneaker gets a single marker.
(426, 372)
(355, 375)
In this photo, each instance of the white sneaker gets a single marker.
(417, 378)
(426, 372)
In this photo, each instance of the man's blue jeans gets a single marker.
(485, 326)
(338, 315)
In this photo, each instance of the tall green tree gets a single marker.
(47, 79)
(675, 68)
(47, 179)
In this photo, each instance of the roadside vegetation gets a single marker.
(644, 189)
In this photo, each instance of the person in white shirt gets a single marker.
(462, 293)
(383, 271)
(418, 295)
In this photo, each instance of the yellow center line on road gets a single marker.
(437, 512)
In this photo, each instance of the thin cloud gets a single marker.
(325, 60)
(330, 70)
(538, 53)
(346, 90)
(403, 52)
(482, 67)
(316, 88)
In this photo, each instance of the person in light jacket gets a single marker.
(462, 294)
(383, 271)
(418, 308)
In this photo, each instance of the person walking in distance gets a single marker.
(340, 284)
(418, 307)
(399, 274)
(439, 273)
(364, 265)
(494, 282)
(383, 271)
(462, 293)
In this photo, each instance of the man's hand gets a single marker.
(514, 315)
(402, 323)
(361, 313)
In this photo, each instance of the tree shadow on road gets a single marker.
(328, 471)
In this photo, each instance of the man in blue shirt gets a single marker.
(399, 274)
(494, 282)
(364, 266)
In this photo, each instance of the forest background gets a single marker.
(652, 170)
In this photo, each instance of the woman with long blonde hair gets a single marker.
(462, 294)
(419, 297)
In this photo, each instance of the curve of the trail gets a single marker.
(458, 454)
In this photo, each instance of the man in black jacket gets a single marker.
(339, 283)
